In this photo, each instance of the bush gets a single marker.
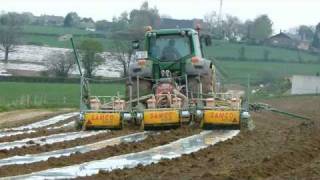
(59, 63)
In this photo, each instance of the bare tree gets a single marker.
(9, 33)
(59, 63)
(211, 20)
(231, 27)
(122, 52)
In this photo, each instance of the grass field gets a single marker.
(17, 94)
(230, 51)
(237, 71)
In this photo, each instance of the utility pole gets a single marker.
(220, 12)
(220, 17)
(248, 93)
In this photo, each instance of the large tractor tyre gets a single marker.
(193, 86)
(207, 81)
(145, 87)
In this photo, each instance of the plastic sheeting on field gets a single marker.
(48, 139)
(154, 155)
(69, 124)
(44, 123)
(13, 133)
(28, 128)
(31, 158)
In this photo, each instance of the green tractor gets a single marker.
(173, 53)
(171, 76)
(170, 83)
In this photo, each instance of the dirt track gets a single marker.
(20, 117)
(279, 148)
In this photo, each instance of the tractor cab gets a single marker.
(169, 50)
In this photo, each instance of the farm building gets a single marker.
(305, 84)
(281, 40)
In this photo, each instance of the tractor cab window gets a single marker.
(170, 47)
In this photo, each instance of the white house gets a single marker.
(305, 84)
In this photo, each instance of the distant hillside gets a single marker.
(262, 72)
(48, 36)
(224, 50)
(235, 67)
(235, 60)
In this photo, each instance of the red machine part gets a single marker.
(163, 94)
(164, 88)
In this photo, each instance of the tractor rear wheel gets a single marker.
(193, 86)
(145, 87)
(208, 84)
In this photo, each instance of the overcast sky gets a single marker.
(284, 13)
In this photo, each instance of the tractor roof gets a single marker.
(172, 31)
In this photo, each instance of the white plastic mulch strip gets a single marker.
(40, 124)
(154, 155)
(48, 139)
(6, 134)
(13, 133)
(31, 158)
(69, 124)
(47, 122)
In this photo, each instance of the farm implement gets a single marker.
(169, 83)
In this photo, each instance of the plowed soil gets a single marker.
(22, 117)
(280, 147)
(299, 105)
(149, 142)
